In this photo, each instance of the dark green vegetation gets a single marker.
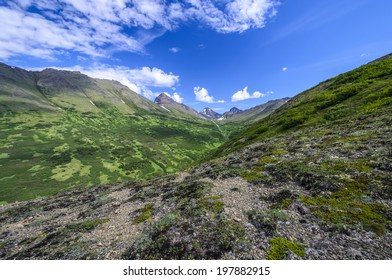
(63, 129)
(40, 157)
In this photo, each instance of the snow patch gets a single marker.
(92, 102)
(165, 108)
(122, 101)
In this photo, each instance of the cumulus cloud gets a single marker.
(203, 96)
(141, 80)
(175, 96)
(244, 95)
(47, 29)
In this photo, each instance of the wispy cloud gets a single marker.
(284, 69)
(202, 95)
(47, 29)
(244, 95)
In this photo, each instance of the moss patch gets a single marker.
(346, 207)
(281, 245)
(144, 214)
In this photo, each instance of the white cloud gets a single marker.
(175, 96)
(244, 95)
(203, 96)
(234, 16)
(140, 80)
(97, 28)
(284, 69)
(174, 50)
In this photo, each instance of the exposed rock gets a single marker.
(290, 255)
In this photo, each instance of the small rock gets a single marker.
(354, 254)
(100, 244)
(290, 255)
(303, 210)
(238, 220)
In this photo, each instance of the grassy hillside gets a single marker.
(44, 153)
(365, 93)
(61, 129)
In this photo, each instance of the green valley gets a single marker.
(62, 129)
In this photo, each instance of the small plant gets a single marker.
(281, 245)
(144, 214)
(253, 177)
(266, 221)
(85, 226)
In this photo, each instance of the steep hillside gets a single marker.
(55, 90)
(362, 94)
(311, 181)
(61, 129)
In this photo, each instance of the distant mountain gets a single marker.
(233, 111)
(255, 113)
(56, 90)
(210, 114)
(168, 104)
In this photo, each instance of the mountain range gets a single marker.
(312, 180)
(65, 129)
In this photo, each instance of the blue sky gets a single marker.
(219, 54)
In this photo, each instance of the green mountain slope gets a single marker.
(365, 93)
(62, 129)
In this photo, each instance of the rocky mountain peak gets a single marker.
(163, 98)
(210, 114)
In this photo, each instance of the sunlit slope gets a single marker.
(364, 93)
(61, 129)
